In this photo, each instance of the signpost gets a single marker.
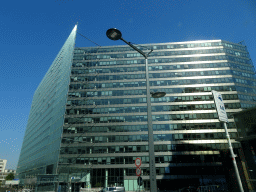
(220, 107)
(223, 118)
(137, 162)
(138, 172)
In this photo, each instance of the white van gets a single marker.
(114, 189)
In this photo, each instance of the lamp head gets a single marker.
(158, 94)
(114, 34)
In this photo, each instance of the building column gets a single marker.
(106, 178)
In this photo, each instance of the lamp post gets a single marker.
(115, 34)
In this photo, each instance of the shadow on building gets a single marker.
(212, 169)
(246, 127)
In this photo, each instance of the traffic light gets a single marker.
(140, 181)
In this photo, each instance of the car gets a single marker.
(113, 189)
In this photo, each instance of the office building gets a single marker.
(2, 169)
(3, 163)
(4, 172)
(88, 119)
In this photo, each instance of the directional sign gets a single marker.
(138, 162)
(220, 107)
(75, 177)
(138, 171)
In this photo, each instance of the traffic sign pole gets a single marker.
(220, 107)
(138, 171)
(233, 159)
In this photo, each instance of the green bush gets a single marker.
(10, 176)
(98, 184)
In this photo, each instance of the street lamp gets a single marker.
(115, 34)
(157, 94)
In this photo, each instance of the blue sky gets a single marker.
(32, 33)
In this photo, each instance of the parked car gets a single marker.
(113, 189)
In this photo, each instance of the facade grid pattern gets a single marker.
(105, 117)
(107, 104)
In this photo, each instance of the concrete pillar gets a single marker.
(106, 181)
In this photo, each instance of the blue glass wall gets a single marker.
(106, 121)
(40, 148)
(105, 125)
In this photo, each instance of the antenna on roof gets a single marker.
(241, 42)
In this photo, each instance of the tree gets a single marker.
(98, 184)
(10, 176)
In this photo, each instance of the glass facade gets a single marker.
(103, 127)
(41, 144)
(106, 117)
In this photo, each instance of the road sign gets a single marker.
(75, 177)
(140, 181)
(138, 171)
(138, 162)
(220, 106)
